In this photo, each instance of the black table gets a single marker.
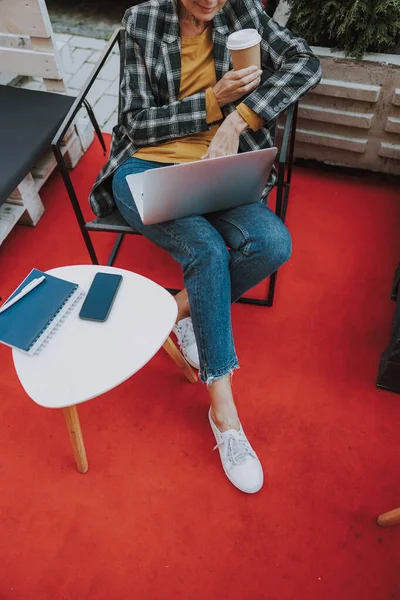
(29, 120)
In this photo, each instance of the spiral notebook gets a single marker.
(29, 322)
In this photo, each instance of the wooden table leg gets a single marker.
(389, 518)
(179, 360)
(75, 434)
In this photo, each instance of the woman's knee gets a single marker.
(283, 243)
(275, 243)
(120, 186)
(210, 252)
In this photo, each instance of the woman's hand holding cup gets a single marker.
(236, 84)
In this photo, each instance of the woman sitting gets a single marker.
(181, 101)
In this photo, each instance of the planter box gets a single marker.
(353, 117)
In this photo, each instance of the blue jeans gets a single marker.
(214, 275)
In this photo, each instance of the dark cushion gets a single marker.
(28, 122)
(113, 222)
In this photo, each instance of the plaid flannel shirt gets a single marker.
(150, 112)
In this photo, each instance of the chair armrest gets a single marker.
(86, 88)
(286, 134)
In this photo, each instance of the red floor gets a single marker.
(154, 518)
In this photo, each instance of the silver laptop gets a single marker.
(202, 186)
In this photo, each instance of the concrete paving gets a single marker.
(79, 56)
(94, 19)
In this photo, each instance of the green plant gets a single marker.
(355, 26)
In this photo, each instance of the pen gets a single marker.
(31, 285)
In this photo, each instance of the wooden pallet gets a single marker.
(27, 49)
(9, 216)
(25, 199)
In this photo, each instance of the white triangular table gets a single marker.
(84, 359)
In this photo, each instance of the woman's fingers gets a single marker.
(249, 87)
(235, 84)
(247, 83)
(217, 152)
(239, 82)
(244, 72)
(250, 78)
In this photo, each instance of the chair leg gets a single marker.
(75, 435)
(179, 360)
(389, 518)
(280, 190)
(396, 284)
(95, 125)
(269, 300)
(271, 291)
(115, 249)
(286, 184)
(285, 201)
(292, 143)
(75, 204)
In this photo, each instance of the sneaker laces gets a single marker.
(235, 447)
(185, 333)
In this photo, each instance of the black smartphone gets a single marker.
(100, 297)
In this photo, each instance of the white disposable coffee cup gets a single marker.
(244, 46)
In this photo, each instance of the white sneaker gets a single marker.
(239, 461)
(183, 330)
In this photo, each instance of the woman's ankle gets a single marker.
(182, 301)
(225, 419)
(223, 409)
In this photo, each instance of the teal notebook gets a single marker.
(30, 321)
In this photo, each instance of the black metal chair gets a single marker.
(389, 366)
(115, 223)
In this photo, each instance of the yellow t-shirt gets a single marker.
(197, 74)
